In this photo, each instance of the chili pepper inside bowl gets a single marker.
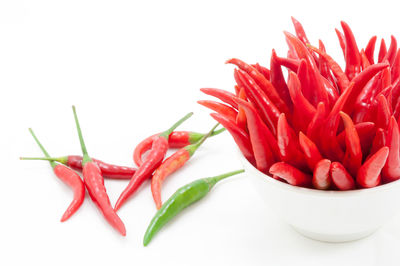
(330, 216)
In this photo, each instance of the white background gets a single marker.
(132, 68)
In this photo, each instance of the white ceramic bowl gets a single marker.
(331, 216)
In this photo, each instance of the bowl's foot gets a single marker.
(334, 238)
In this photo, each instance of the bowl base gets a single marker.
(334, 238)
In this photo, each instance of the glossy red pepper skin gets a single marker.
(288, 144)
(219, 108)
(74, 181)
(391, 53)
(366, 132)
(291, 174)
(352, 56)
(278, 81)
(304, 111)
(353, 156)
(369, 175)
(94, 183)
(300, 33)
(290, 63)
(263, 153)
(382, 51)
(263, 70)
(108, 170)
(383, 112)
(321, 175)
(267, 110)
(314, 127)
(264, 84)
(370, 49)
(225, 96)
(391, 170)
(364, 60)
(238, 134)
(310, 151)
(324, 68)
(153, 160)
(341, 178)
(241, 116)
(342, 41)
(396, 68)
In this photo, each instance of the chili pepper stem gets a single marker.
(86, 157)
(193, 147)
(166, 133)
(52, 163)
(62, 160)
(213, 180)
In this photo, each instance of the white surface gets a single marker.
(132, 68)
(330, 216)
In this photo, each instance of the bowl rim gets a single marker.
(317, 192)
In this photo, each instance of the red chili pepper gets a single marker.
(171, 165)
(263, 70)
(383, 112)
(321, 175)
(176, 140)
(241, 116)
(341, 178)
(219, 108)
(364, 59)
(94, 183)
(353, 156)
(238, 134)
(324, 68)
(342, 80)
(304, 111)
(69, 177)
(310, 151)
(290, 63)
(379, 140)
(225, 96)
(316, 123)
(264, 84)
(278, 80)
(299, 31)
(342, 42)
(391, 53)
(386, 78)
(369, 175)
(267, 110)
(352, 57)
(366, 133)
(258, 131)
(382, 51)
(396, 67)
(290, 174)
(391, 170)
(153, 160)
(370, 49)
(288, 144)
(359, 82)
(108, 170)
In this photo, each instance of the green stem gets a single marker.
(86, 157)
(166, 133)
(63, 160)
(193, 147)
(213, 180)
(216, 132)
(52, 163)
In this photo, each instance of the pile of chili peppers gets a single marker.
(152, 165)
(321, 126)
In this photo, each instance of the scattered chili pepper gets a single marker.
(94, 183)
(176, 140)
(182, 198)
(290, 174)
(369, 174)
(321, 175)
(340, 177)
(153, 160)
(69, 177)
(172, 164)
(75, 162)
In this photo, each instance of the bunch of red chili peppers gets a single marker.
(322, 126)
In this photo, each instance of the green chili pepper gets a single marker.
(181, 199)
